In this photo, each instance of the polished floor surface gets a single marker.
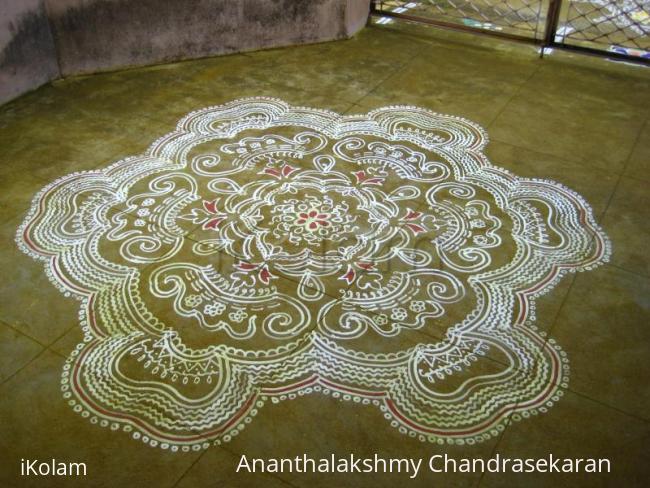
(579, 121)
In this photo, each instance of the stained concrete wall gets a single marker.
(27, 54)
(98, 35)
(356, 15)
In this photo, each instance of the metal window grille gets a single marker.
(620, 27)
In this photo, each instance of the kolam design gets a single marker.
(262, 252)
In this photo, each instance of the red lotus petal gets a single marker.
(301, 221)
(313, 213)
(265, 275)
(349, 276)
(366, 266)
(272, 172)
(303, 215)
(413, 215)
(313, 225)
(246, 266)
(416, 228)
(210, 206)
(322, 216)
(324, 223)
(213, 223)
(374, 181)
(287, 170)
(361, 175)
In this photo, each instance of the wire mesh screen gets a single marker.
(519, 17)
(620, 26)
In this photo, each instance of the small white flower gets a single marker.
(143, 212)
(417, 306)
(214, 309)
(193, 301)
(139, 223)
(398, 314)
(477, 224)
(238, 315)
(147, 202)
(480, 240)
(381, 319)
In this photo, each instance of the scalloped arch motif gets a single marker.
(263, 251)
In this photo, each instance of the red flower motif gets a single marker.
(211, 208)
(366, 266)
(414, 215)
(213, 223)
(263, 274)
(285, 171)
(416, 228)
(313, 219)
(364, 179)
(349, 275)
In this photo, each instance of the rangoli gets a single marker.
(262, 252)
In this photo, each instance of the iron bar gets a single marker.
(549, 39)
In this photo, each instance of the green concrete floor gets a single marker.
(580, 121)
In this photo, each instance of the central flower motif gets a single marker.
(308, 223)
(312, 220)
(262, 251)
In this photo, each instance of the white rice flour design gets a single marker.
(263, 251)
